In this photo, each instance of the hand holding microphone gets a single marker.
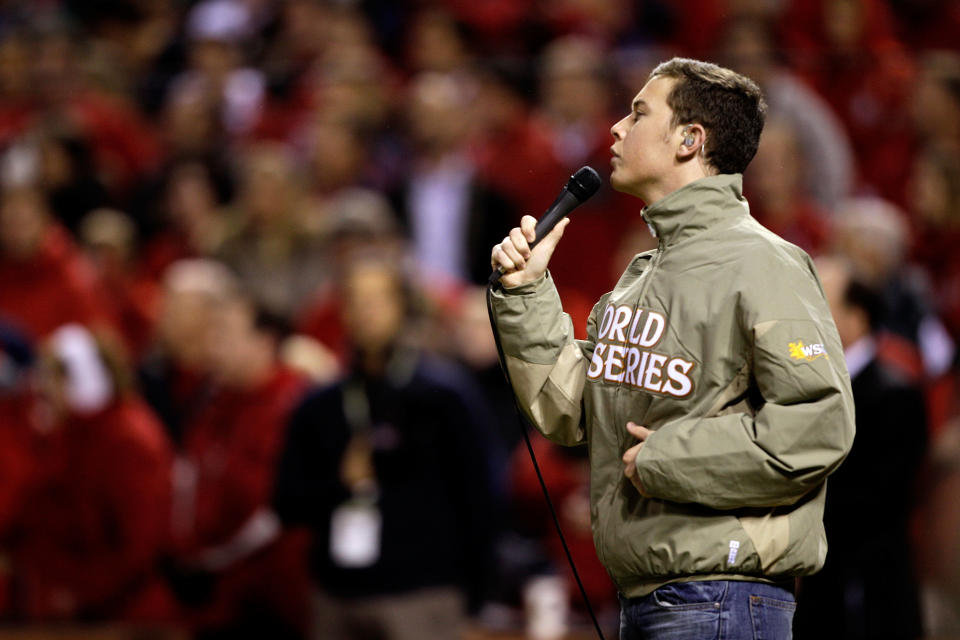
(523, 255)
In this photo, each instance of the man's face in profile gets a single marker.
(644, 148)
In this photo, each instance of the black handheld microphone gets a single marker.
(579, 188)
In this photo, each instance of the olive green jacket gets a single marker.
(722, 343)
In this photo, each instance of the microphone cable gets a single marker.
(523, 422)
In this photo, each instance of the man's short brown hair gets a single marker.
(730, 107)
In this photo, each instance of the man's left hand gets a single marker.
(630, 457)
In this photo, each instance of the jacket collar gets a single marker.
(695, 207)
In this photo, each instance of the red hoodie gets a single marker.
(233, 445)
(92, 527)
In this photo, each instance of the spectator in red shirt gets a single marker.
(16, 357)
(513, 151)
(124, 145)
(236, 570)
(174, 373)
(192, 220)
(935, 108)
(567, 474)
(86, 542)
(748, 45)
(16, 456)
(849, 52)
(934, 189)
(46, 280)
(109, 239)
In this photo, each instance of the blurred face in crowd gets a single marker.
(353, 84)
(184, 325)
(573, 85)
(873, 235)
(191, 199)
(23, 220)
(775, 175)
(851, 322)
(346, 27)
(576, 96)
(56, 165)
(14, 67)
(373, 306)
(338, 155)
(239, 354)
(843, 22)
(303, 27)
(54, 67)
(645, 141)
(934, 109)
(930, 193)
(191, 123)
(108, 237)
(267, 184)
(746, 48)
(436, 113)
(435, 44)
(214, 58)
(496, 107)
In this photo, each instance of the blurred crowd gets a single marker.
(247, 383)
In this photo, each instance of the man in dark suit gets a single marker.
(867, 587)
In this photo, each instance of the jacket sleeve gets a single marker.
(547, 366)
(800, 431)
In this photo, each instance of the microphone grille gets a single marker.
(584, 183)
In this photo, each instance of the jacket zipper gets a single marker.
(647, 276)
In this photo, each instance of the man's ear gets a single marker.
(692, 139)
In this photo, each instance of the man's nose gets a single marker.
(615, 130)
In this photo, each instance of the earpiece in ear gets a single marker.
(688, 141)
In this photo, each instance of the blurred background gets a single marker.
(247, 383)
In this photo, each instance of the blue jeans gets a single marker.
(709, 610)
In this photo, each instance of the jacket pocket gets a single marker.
(770, 535)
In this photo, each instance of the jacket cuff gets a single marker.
(526, 288)
(531, 321)
(645, 475)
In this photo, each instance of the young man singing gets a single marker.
(711, 390)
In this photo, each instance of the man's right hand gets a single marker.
(520, 264)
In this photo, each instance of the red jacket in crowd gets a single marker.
(16, 462)
(54, 287)
(15, 457)
(867, 81)
(232, 447)
(569, 483)
(90, 529)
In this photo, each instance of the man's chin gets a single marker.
(618, 183)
